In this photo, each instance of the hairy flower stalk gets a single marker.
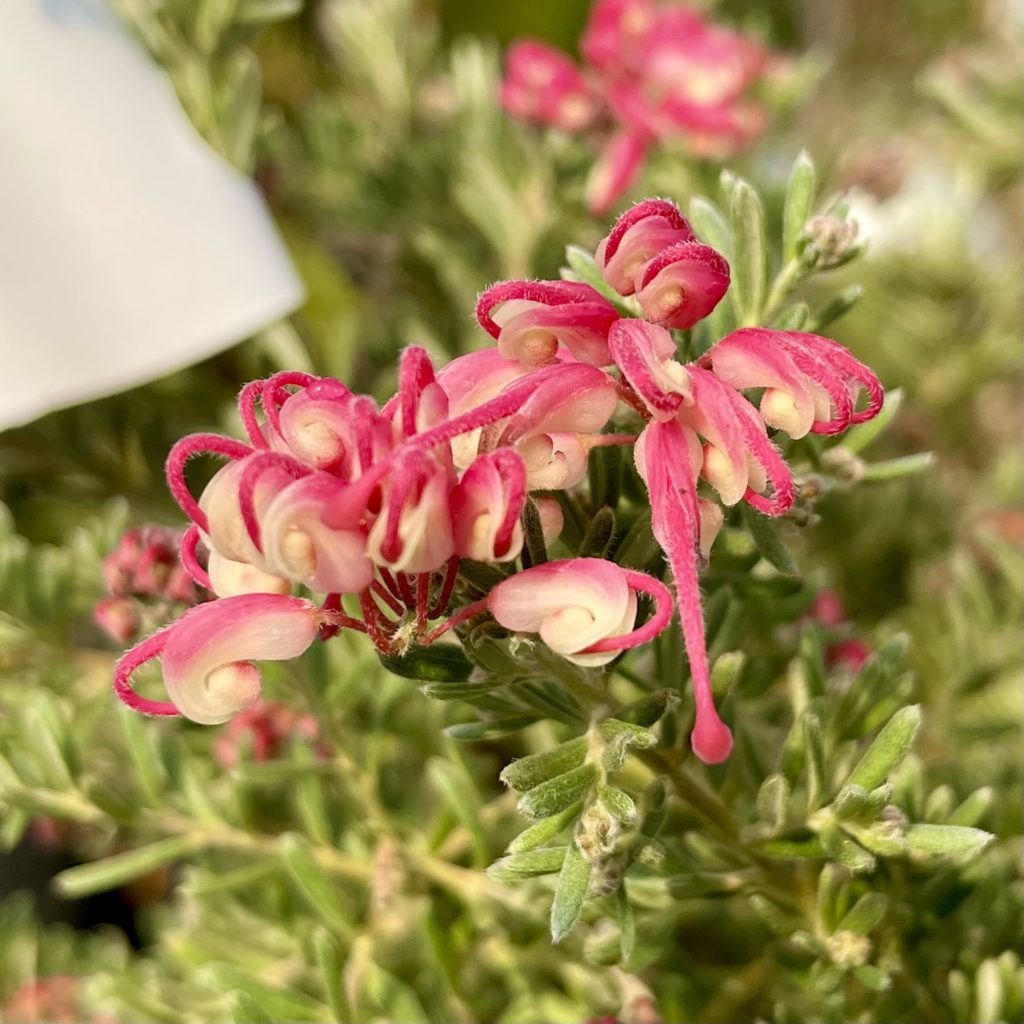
(334, 496)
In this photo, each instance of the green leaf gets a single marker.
(710, 226)
(750, 260)
(631, 735)
(255, 13)
(319, 891)
(532, 770)
(973, 809)
(439, 663)
(570, 893)
(769, 544)
(516, 866)
(619, 804)
(648, 710)
(558, 793)
(888, 749)
(597, 541)
(773, 800)
(815, 764)
(545, 830)
(246, 1010)
(799, 203)
(947, 839)
(466, 732)
(865, 914)
(109, 873)
(894, 469)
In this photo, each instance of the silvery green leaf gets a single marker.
(769, 544)
(570, 893)
(865, 914)
(583, 265)
(516, 866)
(750, 259)
(545, 830)
(799, 202)
(526, 772)
(627, 924)
(558, 793)
(893, 469)
(618, 803)
(973, 809)
(947, 839)
(773, 800)
(111, 872)
(837, 307)
(319, 891)
(858, 437)
(331, 963)
(888, 748)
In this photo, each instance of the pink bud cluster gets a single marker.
(843, 649)
(143, 575)
(653, 73)
(341, 497)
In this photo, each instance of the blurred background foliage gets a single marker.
(401, 191)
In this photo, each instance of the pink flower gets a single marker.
(682, 284)
(207, 654)
(486, 505)
(265, 729)
(583, 608)
(645, 354)
(659, 72)
(530, 319)
(542, 85)
(118, 617)
(811, 383)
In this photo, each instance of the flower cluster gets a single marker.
(144, 579)
(657, 73)
(340, 496)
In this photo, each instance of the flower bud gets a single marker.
(118, 617)
(642, 232)
(682, 284)
(530, 319)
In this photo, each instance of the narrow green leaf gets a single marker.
(545, 830)
(815, 765)
(467, 732)
(750, 259)
(632, 735)
(516, 866)
(525, 773)
(597, 540)
(894, 469)
(773, 801)
(769, 544)
(558, 793)
(440, 663)
(865, 914)
(799, 203)
(648, 710)
(618, 803)
(710, 226)
(570, 893)
(332, 965)
(455, 785)
(109, 873)
(244, 1009)
(947, 839)
(837, 307)
(319, 891)
(888, 749)
(973, 809)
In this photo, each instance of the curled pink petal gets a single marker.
(315, 425)
(150, 648)
(207, 655)
(254, 470)
(682, 284)
(645, 354)
(573, 604)
(530, 319)
(616, 170)
(273, 394)
(189, 559)
(298, 545)
(555, 461)
(186, 448)
(486, 505)
(642, 232)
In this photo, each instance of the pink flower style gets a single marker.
(337, 495)
(654, 74)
